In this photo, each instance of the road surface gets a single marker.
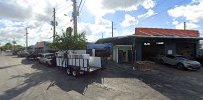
(22, 79)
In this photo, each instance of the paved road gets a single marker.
(22, 79)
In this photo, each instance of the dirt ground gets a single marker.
(22, 79)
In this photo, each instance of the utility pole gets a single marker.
(74, 15)
(26, 37)
(102, 35)
(54, 25)
(112, 27)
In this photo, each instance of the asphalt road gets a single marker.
(22, 79)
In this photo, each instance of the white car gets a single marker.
(47, 58)
(180, 61)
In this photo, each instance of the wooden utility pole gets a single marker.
(112, 27)
(26, 38)
(54, 25)
(74, 15)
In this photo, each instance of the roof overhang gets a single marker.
(166, 37)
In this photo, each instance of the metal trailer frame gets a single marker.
(75, 68)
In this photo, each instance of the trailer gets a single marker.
(77, 64)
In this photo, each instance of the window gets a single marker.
(159, 42)
(146, 43)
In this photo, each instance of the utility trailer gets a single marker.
(77, 64)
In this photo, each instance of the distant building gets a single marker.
(148, 43)
(42, 47)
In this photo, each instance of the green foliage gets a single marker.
(67, 41)
(9, 46)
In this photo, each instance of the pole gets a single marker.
(54, 25)
(74, 15)
(102, 35)
(112, 27)
(184, 25)
(26, 36)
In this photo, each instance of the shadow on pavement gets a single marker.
(170, 82)
(57, 76)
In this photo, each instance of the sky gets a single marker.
(95, 17)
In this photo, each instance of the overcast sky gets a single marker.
(95, 17)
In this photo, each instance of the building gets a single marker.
(148, 43)
(42, 47)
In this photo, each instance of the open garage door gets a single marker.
(151, 50)
(186, 49)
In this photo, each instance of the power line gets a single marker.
(82, 6)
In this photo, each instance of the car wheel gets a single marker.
(68, 71)
(161, 61)
(74, 73)
(180, 66)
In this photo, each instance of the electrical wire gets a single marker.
(82, 6)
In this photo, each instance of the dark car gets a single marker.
(48, 58)
(34, 55)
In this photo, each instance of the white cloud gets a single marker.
(93, 30)
(189, 25)
(191, 12)
(35, 14)
(148, 4)
(129, 21)
(175, 22)
(148, 14)
(102, 7)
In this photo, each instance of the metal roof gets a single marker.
(130, 37)
(166, 32)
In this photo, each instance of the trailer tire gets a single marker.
(75, 73)
(68, 71)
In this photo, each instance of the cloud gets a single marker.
(16, 15)
(11, 10)
(102, 7)
(148, 14)
(189, 25)
(148, 4)
(35, 14)
(191, 12)
(129, 21)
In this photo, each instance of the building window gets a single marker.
(146, 43)
(160, 43)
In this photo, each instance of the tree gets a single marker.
(67, 41)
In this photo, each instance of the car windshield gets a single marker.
(181, 58)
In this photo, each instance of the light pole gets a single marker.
(26, 37)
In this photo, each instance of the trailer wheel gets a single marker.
(68, 71)
(74, 73)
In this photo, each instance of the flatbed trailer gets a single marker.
(78, 64)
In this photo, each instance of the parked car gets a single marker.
(34, 55)
(23, 53)
(180, 61)
(48, 59)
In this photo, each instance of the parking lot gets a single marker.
(22, 79)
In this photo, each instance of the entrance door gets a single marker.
(120, 56)
(130, 56)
